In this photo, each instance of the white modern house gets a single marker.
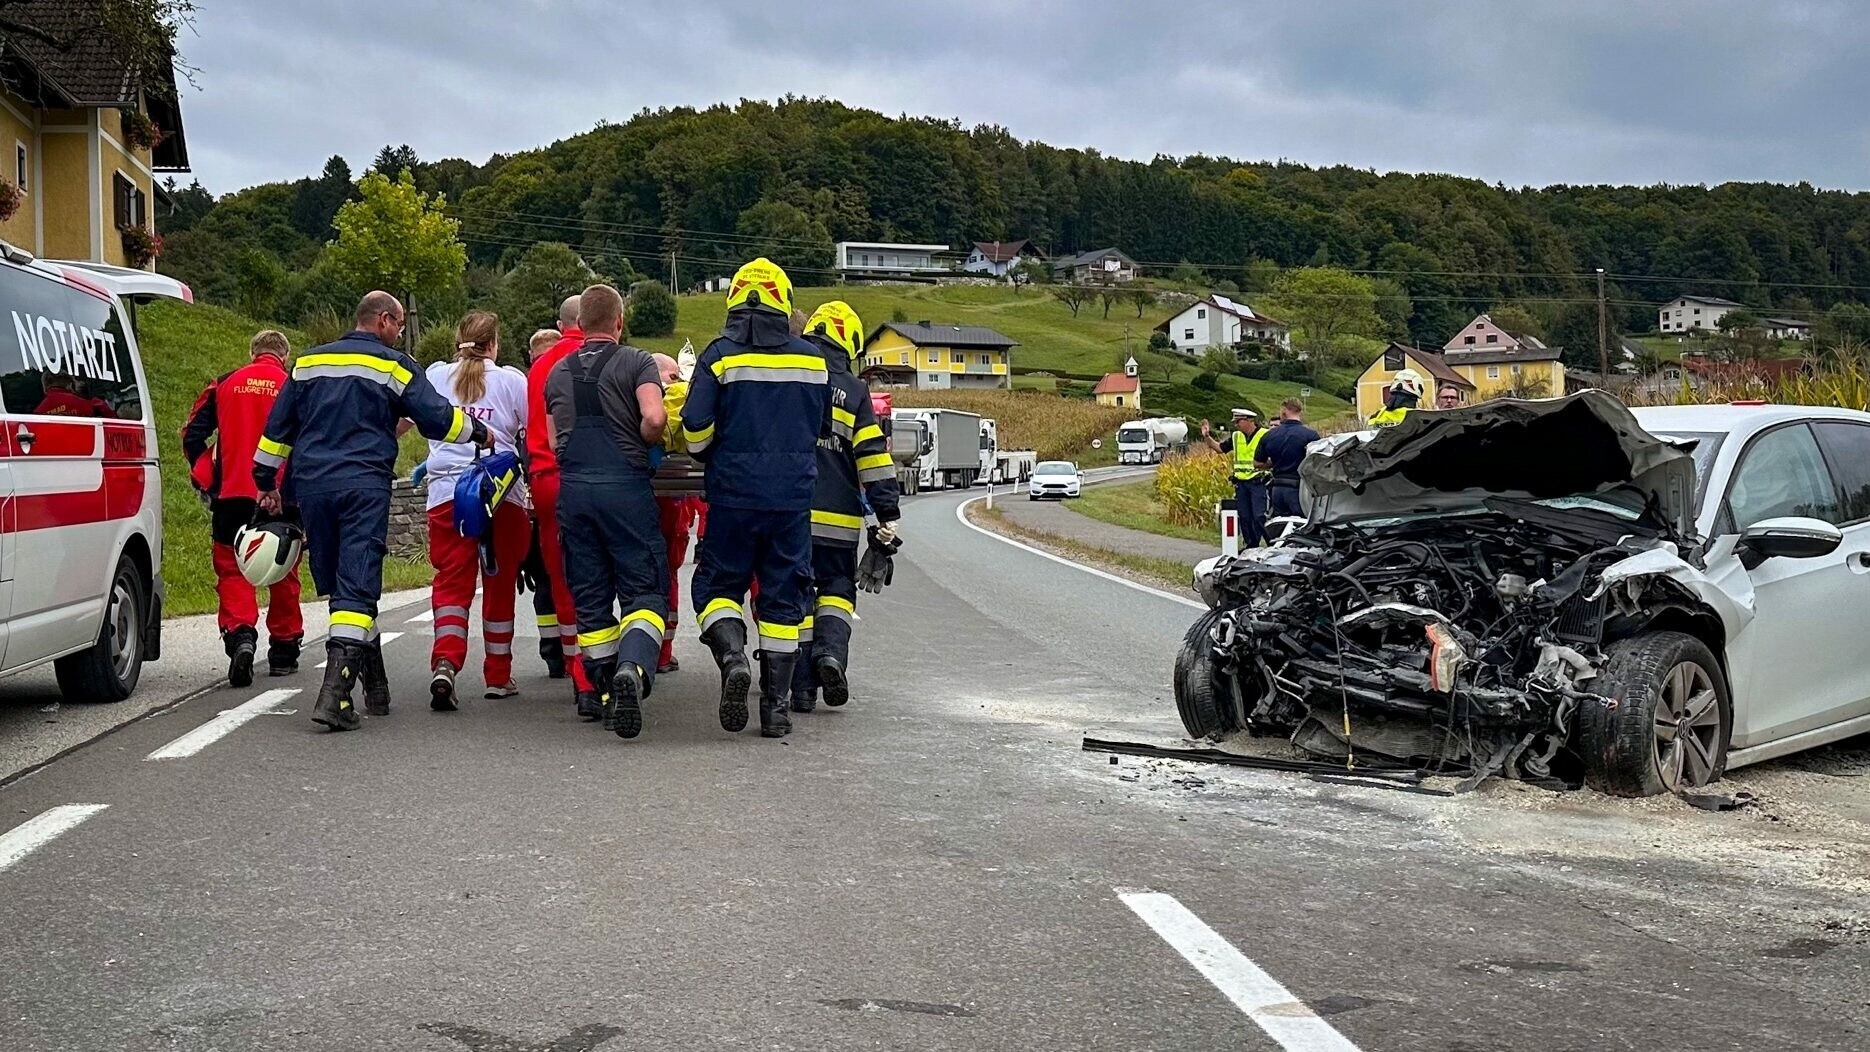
(1788, 329)
(875, 259)
(1216, 321)
(998, 258)
(1689, 313)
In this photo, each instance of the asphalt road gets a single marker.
(936, 866)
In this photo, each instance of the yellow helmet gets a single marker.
(837, 322)
(761, 284)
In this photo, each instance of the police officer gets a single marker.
(853, 464)
(232, 411)
(606, 413)
(1405, 391)
(754, 412)
(1249, 477)
(336, 420)
(1281, 452)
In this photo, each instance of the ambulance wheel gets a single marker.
(108, 669)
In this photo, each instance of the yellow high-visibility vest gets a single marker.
(1387, 417)
(1244, 452)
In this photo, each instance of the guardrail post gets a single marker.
(1230, 526)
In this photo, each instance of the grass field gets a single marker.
(1134, 505)
(185, 346)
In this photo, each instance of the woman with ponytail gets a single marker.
(496, 396)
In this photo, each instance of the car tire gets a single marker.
(1201, 694)
(108, 669)
(1670, 725)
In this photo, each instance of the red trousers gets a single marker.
(675, 516)
(240, 605)
(545, 510)
(457, 562)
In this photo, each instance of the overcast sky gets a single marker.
(1514, 91)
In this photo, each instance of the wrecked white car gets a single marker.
(1557, 590)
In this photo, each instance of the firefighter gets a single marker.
(543, 478)
(1405, 391)
(231, 411)
(336, 420)
(854, 466)
(532, 572)
(1250, 493)
(606, 415)
(754, 411)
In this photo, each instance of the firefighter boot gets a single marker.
(831, 677)
(282, 657)
(728, 639)
(594, 704)
(552, 652)
(624, 713)
(344, 661)
(804, 688)
(240, 643)
(376, 681)
(775, 683)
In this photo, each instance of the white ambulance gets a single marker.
(80, 499)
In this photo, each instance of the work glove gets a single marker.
(418, 475)
(878, 566)
(532, 572)
(482, 436)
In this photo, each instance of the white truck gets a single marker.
(1003, 465)
(1146, 441)
(936, 448)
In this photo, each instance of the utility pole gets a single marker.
(675, 286)
(1603, 333)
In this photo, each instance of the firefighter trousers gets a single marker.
(347, 535)
(544, 488)
(827, 631)
(743, 546)
(458, 569)
(615, 557)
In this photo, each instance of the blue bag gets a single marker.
(478, 493)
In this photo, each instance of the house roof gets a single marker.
(1087, 258)
(1225, 305)
(1002, 251)
(1709, 301)
(1497, 355)
(1432, 362)
(1788, 323)
(924, 333)
(1115, 383)
(82, 66)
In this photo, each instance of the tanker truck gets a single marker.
(1146, 441)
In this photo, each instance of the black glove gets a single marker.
(878, 566)
(532, 572)
(480, 435)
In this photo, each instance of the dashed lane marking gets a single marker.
(426, 615)
(387, 637)
(960, 513)
(42, 829)
(1271, 1006)
(222, 725)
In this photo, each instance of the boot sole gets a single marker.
(735, 683)
(282, 670)
(335, 721)
(240, 671)
(779, 731)
(625, 714)
(442, 696)
(837, 689)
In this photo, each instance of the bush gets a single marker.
(652, 310)
(321, 325)
(437, 343)
(1188, 486)
(1160, 341)
(1205, 382)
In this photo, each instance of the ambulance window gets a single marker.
(62, 352)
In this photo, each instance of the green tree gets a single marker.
(1845, 321)
(1074, 296)
(1574, 332)
(395, 160)
(1141, 298)
(787, 236)
(1258, 276)
(652, 310)
(397, 239)
(316, 201)
(1327, 309)
(1516, 319)
(261, 278)
(1393, 306)
(528, 295)
(1030, 271)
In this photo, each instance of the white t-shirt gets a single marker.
(502, 409)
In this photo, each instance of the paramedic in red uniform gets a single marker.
(543, 479)
(231, 412)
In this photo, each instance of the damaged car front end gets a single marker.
(1454, 603)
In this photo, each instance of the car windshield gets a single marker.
(1707, 444)
(1056, 467)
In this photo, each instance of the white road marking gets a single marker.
(41, 829)
(222, 725)
(426, 615)
(960, 513)
(1271, 1006)
(386, 637)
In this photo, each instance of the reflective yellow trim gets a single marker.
(806, 625)
(648, 617)
(768, 361)
(459, 427)
(832, 518)
(773, 631)
(719, 604)
(844, 416)
(867, 433)
(601, 636)
(839, 602)
(386, 366)
(874, 460)
(353, 619)
(547, 620)
(702, 435)
(277, 449)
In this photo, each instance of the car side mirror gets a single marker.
(1789, 537)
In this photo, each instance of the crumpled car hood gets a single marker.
(1587, 444)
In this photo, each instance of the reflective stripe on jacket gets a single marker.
(759, 399)
(1387, 417)
(853, 458)
(1244, 453)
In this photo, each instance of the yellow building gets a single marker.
(1376, 379)
(68, 114)
(928, 356)
(1500, 362)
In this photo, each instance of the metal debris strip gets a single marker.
(1394, 775)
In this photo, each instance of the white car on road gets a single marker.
(1055, 480)
(1646, 598)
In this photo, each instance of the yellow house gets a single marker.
(928, 356)
(1500, 362)
(1376, 378)
(73, 137)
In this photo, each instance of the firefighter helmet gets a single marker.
(837, 322)
(1408, 381)
(268, 551)
(763, 285)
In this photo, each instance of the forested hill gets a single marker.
(707, 189)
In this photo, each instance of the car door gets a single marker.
(1846, 445)
(1801, 666)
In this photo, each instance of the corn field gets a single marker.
(1842, 384)
(1188, 486)
(1056, 428)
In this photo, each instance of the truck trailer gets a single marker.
(936, 448)
(1147, 441)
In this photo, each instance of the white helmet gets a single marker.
(1409, 381)
(267, 551)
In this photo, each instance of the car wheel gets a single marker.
(1671, 723)
(1201, 694)
(108, 669)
